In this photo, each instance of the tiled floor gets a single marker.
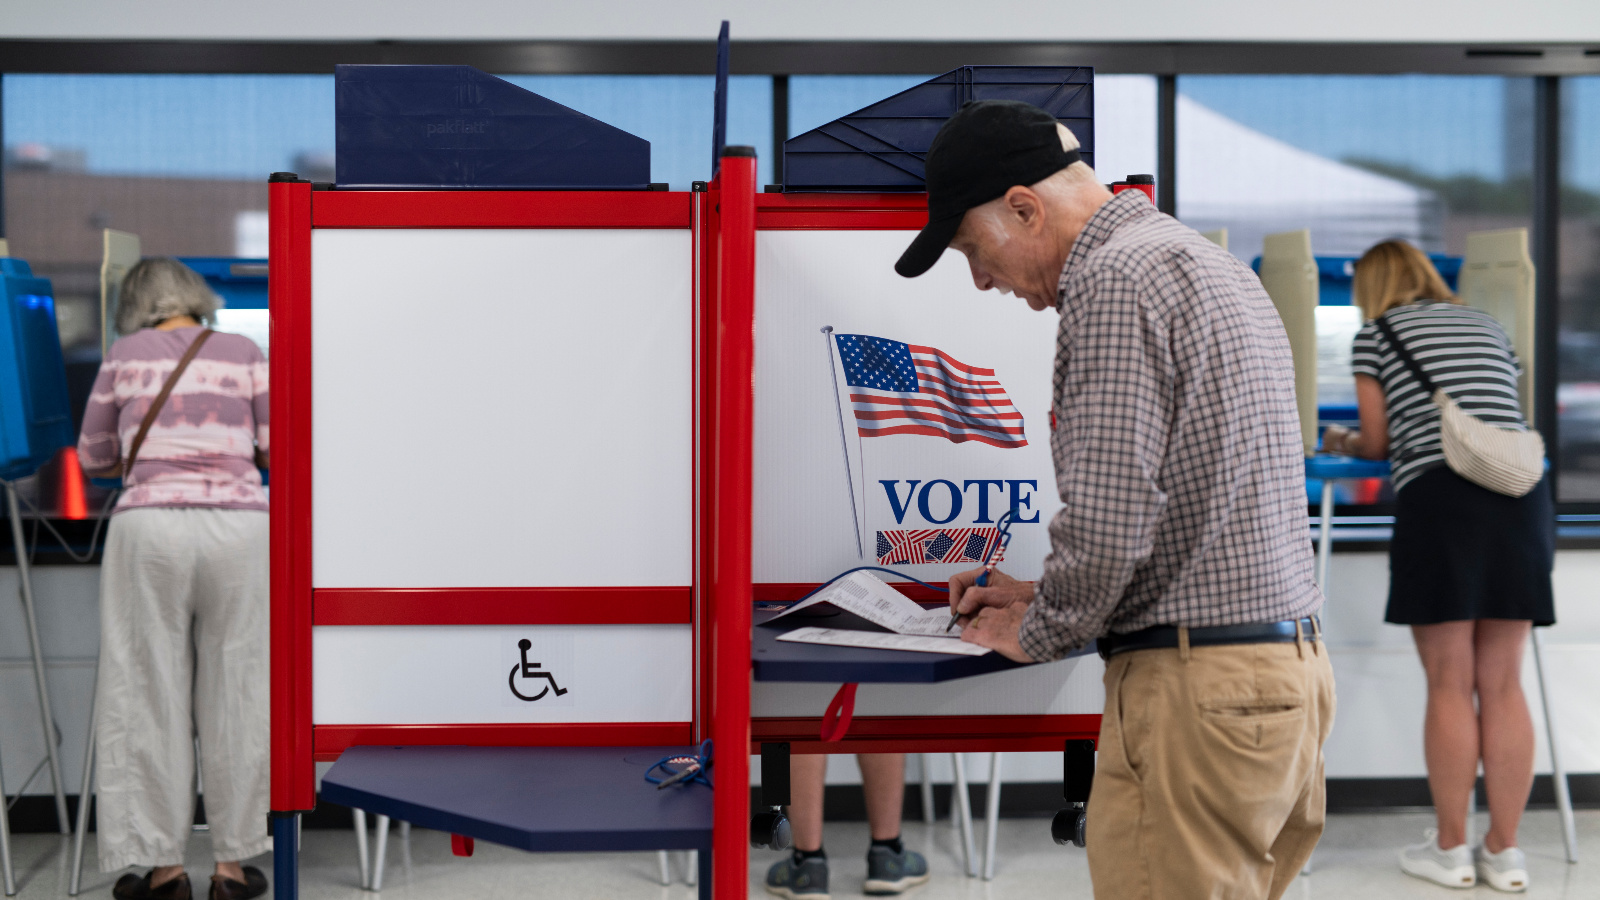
(1355, 860)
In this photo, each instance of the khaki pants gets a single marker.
(1209, 781)
(183, 651)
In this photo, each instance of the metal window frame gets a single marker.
(1546, 62)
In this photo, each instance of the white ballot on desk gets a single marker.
(867, 596)
(842, 637)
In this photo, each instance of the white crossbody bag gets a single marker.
(1507, 461)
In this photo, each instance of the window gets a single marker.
(673, 113)
(1578, 376)
(1356, 159)
(180, 160)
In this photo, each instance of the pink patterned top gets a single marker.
(201, 449)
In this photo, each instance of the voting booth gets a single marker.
(506, 508)
(896, 421)
(559, 529)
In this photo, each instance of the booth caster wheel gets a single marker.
(770, 831)
(1069, 827)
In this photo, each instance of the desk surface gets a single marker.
(775, 660)
(1330, 466)
(547, 799)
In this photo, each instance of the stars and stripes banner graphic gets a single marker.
(936, 545)
(900, 388)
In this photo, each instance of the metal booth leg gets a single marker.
(80, 829)
(665, 866)
(359, 820)
(1558, 775)
(7, 877)
(993, 817)
(46, 717)
(963, 817)
(927, 789)
(376, 881)
(691, 867)
(285, 855)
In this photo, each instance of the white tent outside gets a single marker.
(1231, 176)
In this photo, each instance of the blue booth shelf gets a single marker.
(1324, 466)
(882, 147)
(35, 415)
(1336, 275)
(544, 799)
(775, 660)
(455, 127)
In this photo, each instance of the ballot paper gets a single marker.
(841, 637)
(867, 596)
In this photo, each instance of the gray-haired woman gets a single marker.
(183, 591)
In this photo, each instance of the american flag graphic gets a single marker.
(936, 545)
(899, 388)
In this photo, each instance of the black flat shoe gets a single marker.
(253, 885)
(137, 887)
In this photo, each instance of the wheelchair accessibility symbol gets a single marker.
(530, 671)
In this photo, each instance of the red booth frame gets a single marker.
(718, 602)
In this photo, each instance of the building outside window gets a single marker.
(1578, 389)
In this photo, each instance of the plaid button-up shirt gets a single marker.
(1176, 442)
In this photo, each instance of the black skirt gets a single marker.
(1463, 552)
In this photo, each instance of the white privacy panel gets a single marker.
(464, 674)
(501, 407)
(816, 492)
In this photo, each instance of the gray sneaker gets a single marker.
(889, 872)
(803, 881)
(1428, 861)
(1504, 871)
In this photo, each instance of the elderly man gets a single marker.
(1182, 542)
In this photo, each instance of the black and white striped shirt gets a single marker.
(1464, 351)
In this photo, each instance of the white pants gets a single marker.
(183, 651)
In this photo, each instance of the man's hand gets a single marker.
(966, 598)
(996, 628)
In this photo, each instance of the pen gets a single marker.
(991, 560)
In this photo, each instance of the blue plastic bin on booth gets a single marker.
(35, 416)
(433, 127)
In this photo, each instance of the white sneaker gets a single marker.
(1450, 868)
(1504, 871)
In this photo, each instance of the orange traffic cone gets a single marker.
(69, 485)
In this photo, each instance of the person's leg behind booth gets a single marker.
(803, 874)
(1450, 747)
(1209, 774)
(891, 868)
(144, 743)
(232, 706)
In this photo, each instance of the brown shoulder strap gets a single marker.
(161, 399)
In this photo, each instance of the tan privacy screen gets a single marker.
(121, 253)
(1497, 277)
(1289, 273)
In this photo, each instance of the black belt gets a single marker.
(1310, 628)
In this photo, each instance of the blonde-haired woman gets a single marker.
(1469, 569)
(183, 592)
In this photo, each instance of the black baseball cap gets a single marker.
(984, 150)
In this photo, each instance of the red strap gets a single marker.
(840, 710)
(460, 846)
